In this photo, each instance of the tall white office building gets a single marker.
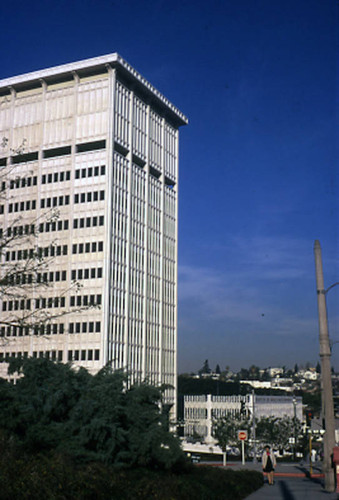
(96, 145)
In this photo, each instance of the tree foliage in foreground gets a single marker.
(88, 417)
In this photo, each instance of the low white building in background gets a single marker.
(283, 384)
(310, 375)
(200, 411)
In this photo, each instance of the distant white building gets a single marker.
(276, 383)
(257, 384)
(273, 372)
(310, 375)
(200, 411)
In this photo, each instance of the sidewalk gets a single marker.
(292, 482)
(288, 488)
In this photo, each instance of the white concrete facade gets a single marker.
(201, 411)
(96, 142)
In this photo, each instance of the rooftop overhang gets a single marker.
(93, 66)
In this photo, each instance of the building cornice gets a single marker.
(91, 66)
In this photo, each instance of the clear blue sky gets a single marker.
(258, 161)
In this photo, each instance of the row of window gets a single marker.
(54, 329)
(18, 279)
(43, 303)
(20, 254)
(56, 177)
(45, 179)
(46, 227)
(49, 277)
(19, 331)
(20, 207)
(84, 300)
(89, 327)
(54, 250)
(21, 182)
(88, 222)
(53, 355)
(19, 230)
(53, 153)
(6, 356)
(83, 355)
(88, 197)
(16, 305)
(88, 247)
(85, 274)
(50, 302)
(57, 201)
(76, 355)
(90, 172)
(54, 202)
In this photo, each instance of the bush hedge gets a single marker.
(57, 477)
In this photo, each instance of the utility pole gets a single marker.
(325, 358)
(294, 426)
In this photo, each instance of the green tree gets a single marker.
(89, 417)
(266, 376)
(277, 431)
(205, 368)
(312, 401)
(254, 372)
(243, 374)
(225, 430)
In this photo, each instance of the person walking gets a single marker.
(268, 464)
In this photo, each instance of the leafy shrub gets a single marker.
(89, 417)
(55, 477)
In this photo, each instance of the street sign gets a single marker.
(242, 435)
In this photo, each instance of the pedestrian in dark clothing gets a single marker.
(268, 463)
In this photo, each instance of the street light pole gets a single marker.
(254, 437)
(325, 358)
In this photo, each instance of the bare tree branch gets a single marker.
(24, 278)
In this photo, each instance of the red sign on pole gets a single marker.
(242, 435)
